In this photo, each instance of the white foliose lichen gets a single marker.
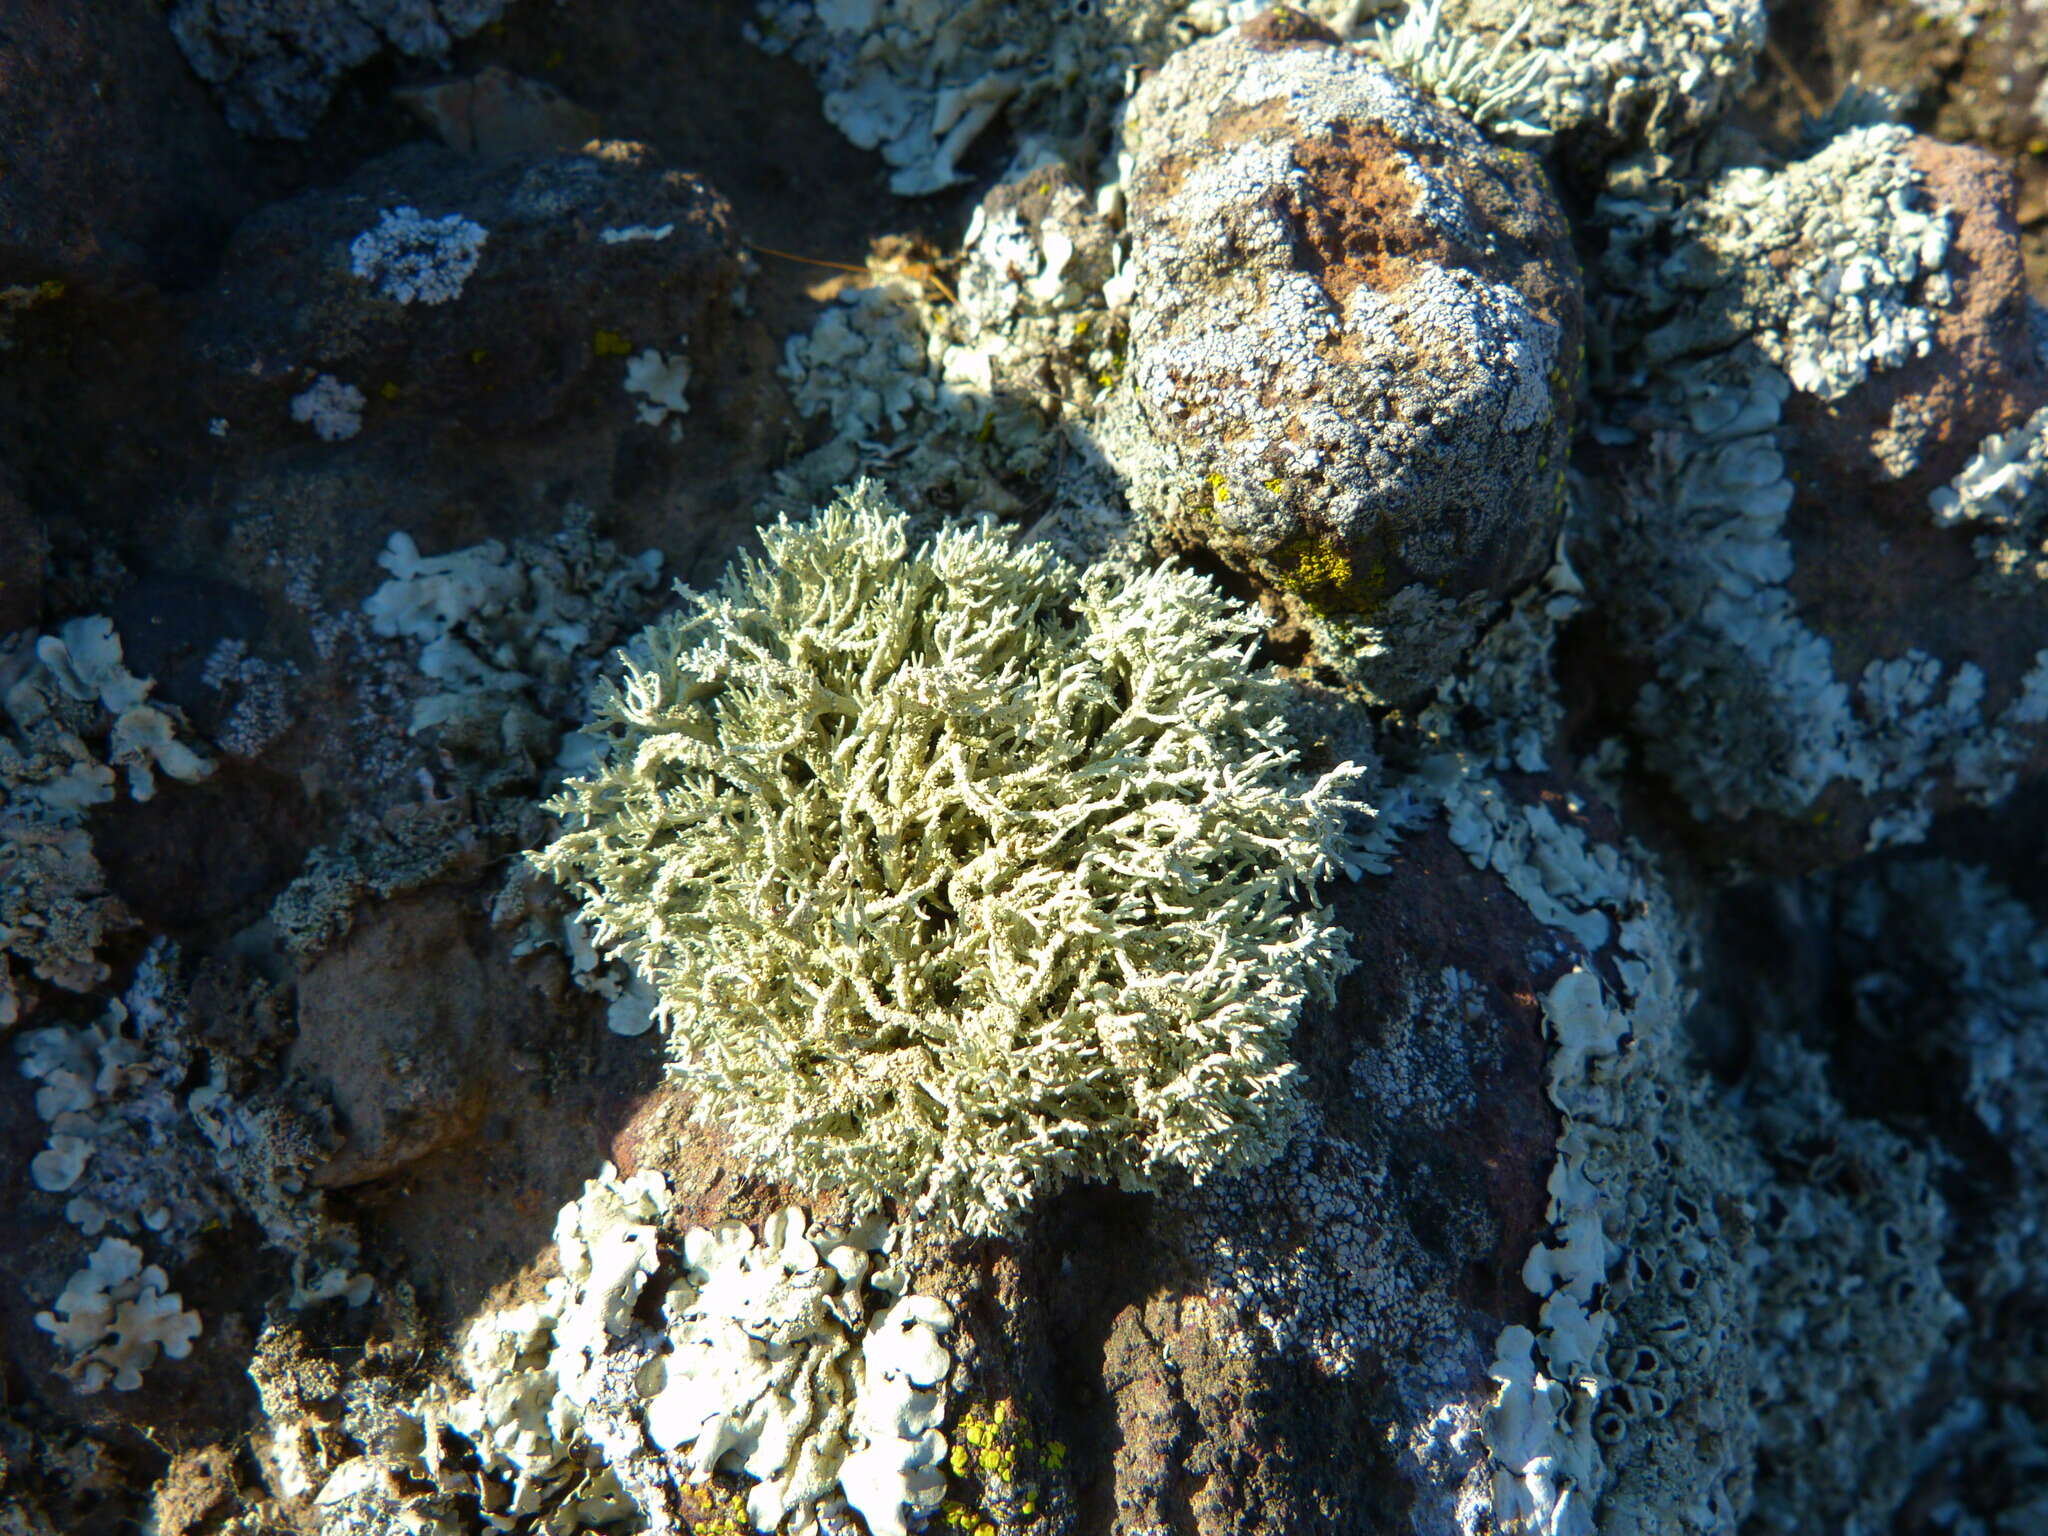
(983, 402)
(922, 81)
(1607, 1022)
(2003, 491)
(862, 364)
(1833, 266)
(138, 1151)
(957, 876)
(333, 410)
(115, 1317)
(508, 639)
(792, 1357)
(1951, 980)
(1684, 1352)
(276, 63)
(413, 259)
(71, 715)
(1689, 550)
(1629, 71)
(661, 380)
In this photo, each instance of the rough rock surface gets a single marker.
(1559, 1249)
(580, 262)
(1355, 328)
(1830, 667)
(407, 1066)
(117, 169)
(1207, 1357)
(277, 62)
(1870, 567)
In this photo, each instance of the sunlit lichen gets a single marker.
(958, 875)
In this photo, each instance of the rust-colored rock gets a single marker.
(398, 1028)
(1354, 329)
(497, 114)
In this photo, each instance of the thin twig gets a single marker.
(1777, 56)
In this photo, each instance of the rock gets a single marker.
(1829, 665)
(398, 1027)
(276, 63)
(1909, 429)
(493, 295)
(198, 1488)
(1209, 1355)
(116, 168)
(1619, 73)
(1354, 328)
(22, 552)
(217, 849)
(498, 115)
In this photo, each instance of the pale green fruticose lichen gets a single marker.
(959, 876)
(1496, 89)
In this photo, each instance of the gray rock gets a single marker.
(1354, 329)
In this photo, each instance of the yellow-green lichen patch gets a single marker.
(1323, 574)
(997, 1469)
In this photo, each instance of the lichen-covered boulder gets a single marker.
(276, 63)
(1813, 538)
(1618, 73)
(1354, 332)
(500, 293)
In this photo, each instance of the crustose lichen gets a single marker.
(958, 875)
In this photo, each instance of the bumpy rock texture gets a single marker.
(277, 62)
(105, 187)
(1610, 1197)
(1355, 329)
(1827, 674)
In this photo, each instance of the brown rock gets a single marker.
(497, 115)
(1304, 1348)
(197, 1489)
(1983, 374)
(398, 1028)
(1872, 572)
(114, 166)
(539, 329)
